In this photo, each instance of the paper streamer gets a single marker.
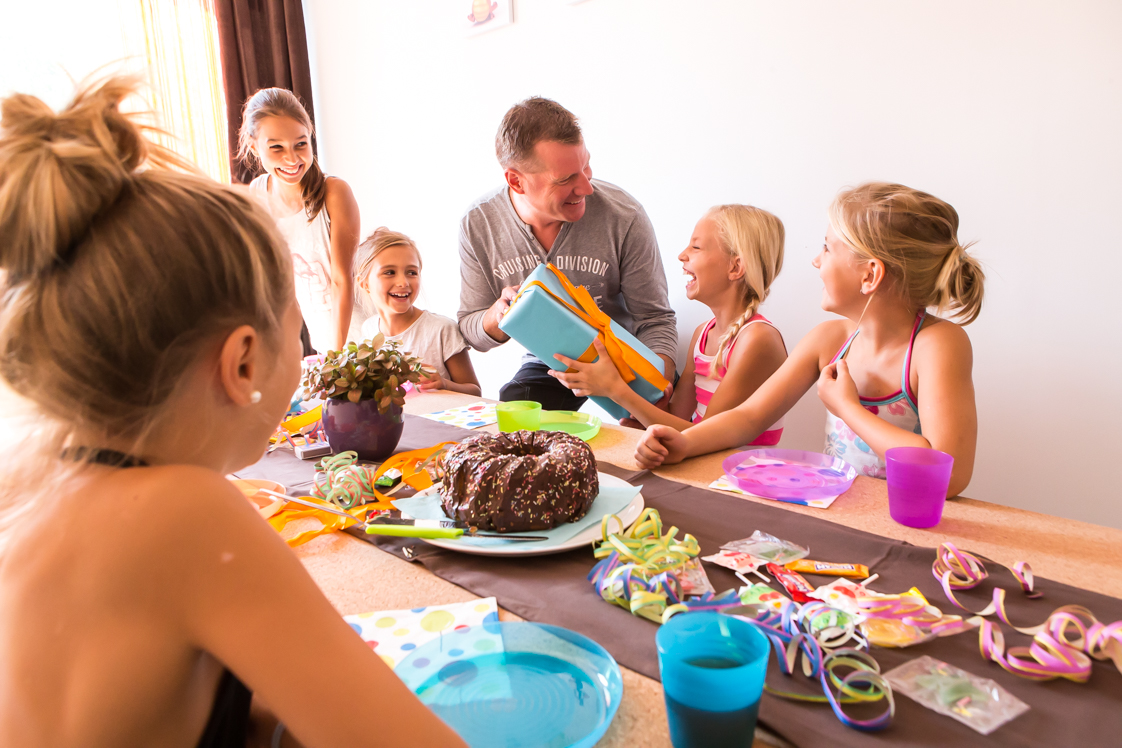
(636, 570)
(797, 630)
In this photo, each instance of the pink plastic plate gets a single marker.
(789, 473)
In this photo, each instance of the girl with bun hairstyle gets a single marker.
(149, 345)
(317, 215)
(891, 252)
(734, 255)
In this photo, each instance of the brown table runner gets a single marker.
(554, 589)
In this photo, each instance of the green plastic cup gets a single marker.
(519, 415)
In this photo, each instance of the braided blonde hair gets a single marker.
(755, 237)
(915, 235)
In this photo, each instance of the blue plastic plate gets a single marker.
(517, 685)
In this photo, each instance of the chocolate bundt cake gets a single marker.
(520, 481)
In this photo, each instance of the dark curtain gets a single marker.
(263, 44)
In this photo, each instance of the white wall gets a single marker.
(1008, 110)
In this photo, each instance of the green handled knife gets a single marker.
(418, 528)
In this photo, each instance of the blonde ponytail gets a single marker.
(915, 235)
(755, 237)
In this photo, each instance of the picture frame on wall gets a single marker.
(481, 16)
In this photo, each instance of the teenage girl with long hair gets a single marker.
(317, 215)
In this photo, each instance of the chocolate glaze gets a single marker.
(520, 481)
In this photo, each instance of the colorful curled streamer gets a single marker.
(792, 632)
(1063, 646)
(349, 484)
(636, 569)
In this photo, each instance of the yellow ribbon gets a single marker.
(627, 360)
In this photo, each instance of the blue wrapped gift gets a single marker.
(551, 316)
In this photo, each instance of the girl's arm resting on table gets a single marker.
(942, 359)
(342, 209)
(463, 378)
(244, 597)
(751, 418)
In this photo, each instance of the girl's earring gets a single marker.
(255, 396)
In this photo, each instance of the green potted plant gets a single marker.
(363, 389)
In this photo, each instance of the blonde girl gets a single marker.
(891, 252)
(150, 335)
(389, 271)
(733, 257)
(317, 215)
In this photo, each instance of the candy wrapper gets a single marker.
(797, 587)
(735, 560)
(825, 568)
(978, 703)
(761, 594)
(768, 547)
(694, 580)
(841, 594)
(893, 634)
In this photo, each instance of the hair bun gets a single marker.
(59, 171)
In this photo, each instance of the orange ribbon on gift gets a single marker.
(627, 360)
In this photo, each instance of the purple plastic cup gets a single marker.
(918, 479)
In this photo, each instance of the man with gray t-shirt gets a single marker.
(551, 210)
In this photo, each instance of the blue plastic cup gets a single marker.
(713, 669)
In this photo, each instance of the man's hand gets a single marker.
(496, 312)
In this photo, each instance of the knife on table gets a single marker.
(411, 528)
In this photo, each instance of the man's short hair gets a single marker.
(528, 123)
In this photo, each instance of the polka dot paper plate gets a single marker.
(536, 685)
(789, 473)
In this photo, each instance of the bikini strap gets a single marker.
(845, 346)
(906, 384)
(109, 457)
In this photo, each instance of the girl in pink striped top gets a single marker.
(734, 255)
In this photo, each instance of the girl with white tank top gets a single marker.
(734, 255)
(317, 215)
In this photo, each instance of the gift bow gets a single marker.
(627, 360)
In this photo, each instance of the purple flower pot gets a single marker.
(359, 427)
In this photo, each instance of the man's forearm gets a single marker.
(471, 327)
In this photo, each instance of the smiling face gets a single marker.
(284, 147)
(841, 272)
(557, 181)
(394, 280)
(708, 268)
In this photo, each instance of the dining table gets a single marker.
(359, 577)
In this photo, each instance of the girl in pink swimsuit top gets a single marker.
(734, 255)
(901, 409)
(705, 385)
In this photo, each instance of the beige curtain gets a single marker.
(179, 39)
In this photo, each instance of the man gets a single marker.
(551, 210)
